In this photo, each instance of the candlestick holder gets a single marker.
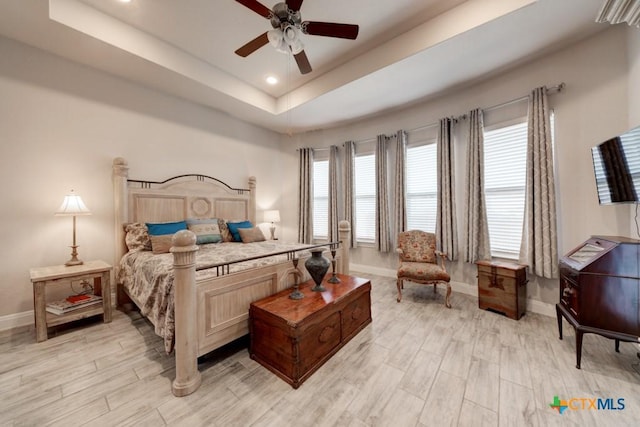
(333, 279)
(296, 294)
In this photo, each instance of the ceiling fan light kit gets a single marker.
(285, 41)
(287, 26)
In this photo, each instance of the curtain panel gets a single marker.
(383, 237)
(446, 227)
(305, 199)
(349, 188)
(619, 11)
(333, 194)
(399, 197)
(476, 226)
(539, 247)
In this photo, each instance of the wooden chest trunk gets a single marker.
(502, 287)
(293, 338)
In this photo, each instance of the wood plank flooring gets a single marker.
(417, 364)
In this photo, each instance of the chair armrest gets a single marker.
(442, 256)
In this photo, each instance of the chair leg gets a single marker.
(435, 288)
(447, 301)
(399, 284)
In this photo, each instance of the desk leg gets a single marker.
(39, 311)
(106, 296)
(578, 347)
(559, 317)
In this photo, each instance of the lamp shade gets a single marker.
(272, 216)
(72, 205)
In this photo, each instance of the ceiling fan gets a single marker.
(287, 25)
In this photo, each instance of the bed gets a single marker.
(210, 296)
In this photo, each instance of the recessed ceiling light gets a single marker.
(271, 80)
(125, 1)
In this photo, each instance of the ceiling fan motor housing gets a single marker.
(282, 16)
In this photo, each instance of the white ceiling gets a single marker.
(406, 50)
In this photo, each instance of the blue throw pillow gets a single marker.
(163, 228)
(234, 226)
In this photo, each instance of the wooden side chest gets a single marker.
(293, 338)
(502, 287)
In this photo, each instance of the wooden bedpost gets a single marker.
(120, 203)
(344, 235)
(186, 329)
(252, 200)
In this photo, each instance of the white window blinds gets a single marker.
(321, 199)
(365, 195)
(505, 157)
(421, 191)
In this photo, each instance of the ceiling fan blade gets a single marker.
(257, 7)
(253, 45)
(303, 62)
(330, 29)
(294, 5)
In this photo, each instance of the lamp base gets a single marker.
(74, 257)
(272, 229)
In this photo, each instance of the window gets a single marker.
(421, 192)
(365, 195)
(321, 199)
(505, 158)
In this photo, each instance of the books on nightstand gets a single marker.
(73, 302)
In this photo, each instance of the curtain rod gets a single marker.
(316, 149)
(553, 89)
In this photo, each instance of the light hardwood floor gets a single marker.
(417, 364)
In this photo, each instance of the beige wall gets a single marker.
(593, 107)
(61, 125)
(633, 40)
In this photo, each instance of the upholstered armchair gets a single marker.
(420, 262)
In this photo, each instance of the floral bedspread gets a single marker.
(148, 277)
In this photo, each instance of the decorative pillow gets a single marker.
(161, 234)
(224, 231)
(137, 237)
(206, 230)
(234, 226)
(162, 228)
(250, 235)
(161, 244)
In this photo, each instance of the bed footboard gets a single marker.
(221, 304)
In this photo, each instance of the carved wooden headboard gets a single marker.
(176, 199)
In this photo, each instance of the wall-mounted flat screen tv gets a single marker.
(616, 163)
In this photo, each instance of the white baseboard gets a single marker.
(25, 318)
(533, 306)
(540, 307)
(384, 272)
(16, 320)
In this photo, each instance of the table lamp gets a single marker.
(272, 216)
(72, 205)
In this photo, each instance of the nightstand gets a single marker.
(96, 272)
